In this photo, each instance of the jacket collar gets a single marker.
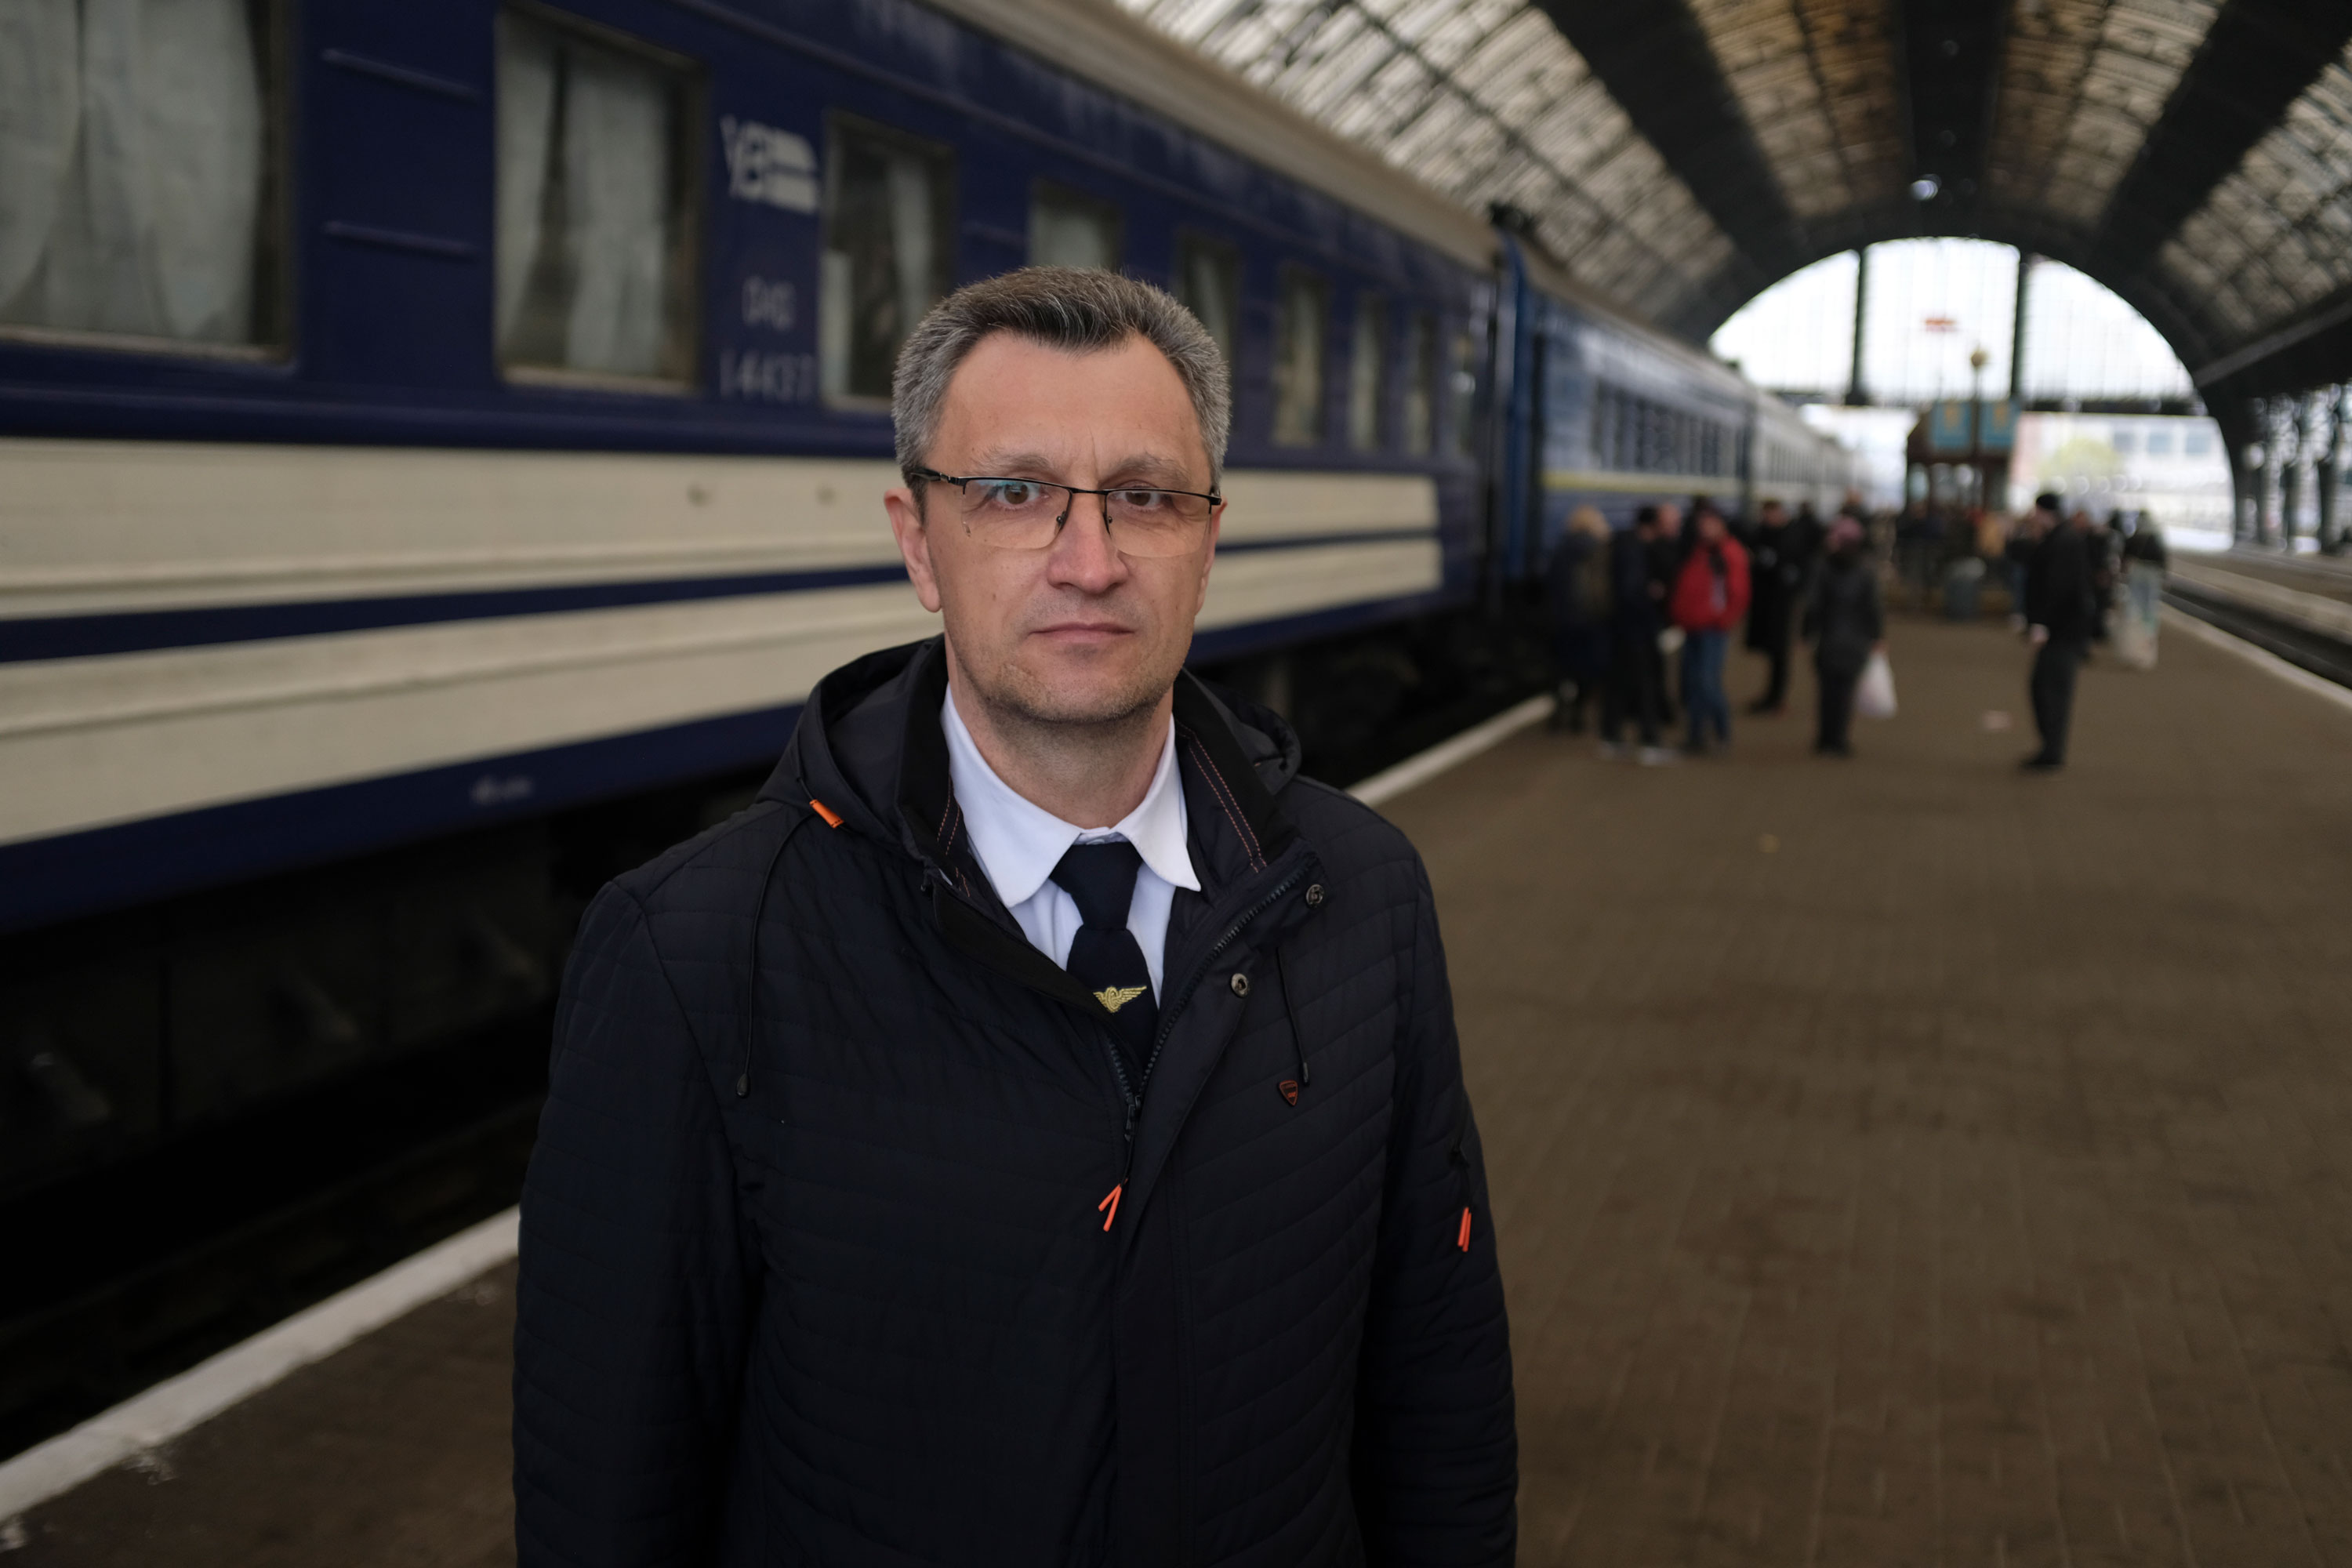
(870, 747)
(1019, 843)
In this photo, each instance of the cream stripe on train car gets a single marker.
(95, 741)
(96, 527)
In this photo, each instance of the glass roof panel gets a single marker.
(2082, 81)
(2274, 237)
(1850, 50)
(1485, 100)
(1812, 80)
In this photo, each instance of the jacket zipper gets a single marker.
(1131, 1094)
(1232, 934)
(1134, 1098)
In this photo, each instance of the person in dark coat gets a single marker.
(1845, 624)
(1669, 542)
(1576, 615)
(2060, 610)
(928, 1175)
(2145, 544)
(2101, 558)
(1780, 560)
(1636, 613)
(2142, 572)
(2016, 555)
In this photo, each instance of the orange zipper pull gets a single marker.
(1462, 1241)
(1108, 1207)
(831, 818)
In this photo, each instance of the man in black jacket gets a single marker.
(1636, 611)
(1780, 562)
(948, 1161)
(2060, 613)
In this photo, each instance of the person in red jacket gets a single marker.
(1710, 595)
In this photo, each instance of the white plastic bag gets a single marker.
(1875, 697)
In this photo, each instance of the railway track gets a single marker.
(138, 1271)
(2323, 654)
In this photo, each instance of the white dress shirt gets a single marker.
(1018, 843)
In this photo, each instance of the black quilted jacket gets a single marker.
(819, 1259)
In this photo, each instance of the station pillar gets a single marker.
(2017, 331)
(2325, 473)
(2295, 428)
(2258, 474)
(1857, 395)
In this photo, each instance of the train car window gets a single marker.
(1465, 390)
(1208, 280)
(1367, 372)
(595, 206)
(140, 186)
(1420, 384)
(889, 213)
(1302, 321)
(1070, 228)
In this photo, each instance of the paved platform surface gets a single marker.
(1903, 1161)
(393, 1451)
(1896, 1162)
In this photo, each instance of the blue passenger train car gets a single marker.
(420, 421)
(1618, 415)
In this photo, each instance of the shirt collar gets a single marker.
(1019, 842)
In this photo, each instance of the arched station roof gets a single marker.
(1682, 155)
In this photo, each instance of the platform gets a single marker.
(1896, 1161)
(1905, 1161)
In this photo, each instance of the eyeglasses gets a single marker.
(1028, 514)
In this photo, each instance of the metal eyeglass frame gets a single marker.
(1074, 492)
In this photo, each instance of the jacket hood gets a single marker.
(870, 747)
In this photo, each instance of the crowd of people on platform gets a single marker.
(1628, 606)
(1945, 550)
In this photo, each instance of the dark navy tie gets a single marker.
(1105, 955)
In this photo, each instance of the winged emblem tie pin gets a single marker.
(1114, 997)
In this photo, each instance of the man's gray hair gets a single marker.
(1078, 309)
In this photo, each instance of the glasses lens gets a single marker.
(1156, 522)
(1013, 514)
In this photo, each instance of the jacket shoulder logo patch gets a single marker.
(1114, 997)
(1289, 1089)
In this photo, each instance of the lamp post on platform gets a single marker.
(1977, 359)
